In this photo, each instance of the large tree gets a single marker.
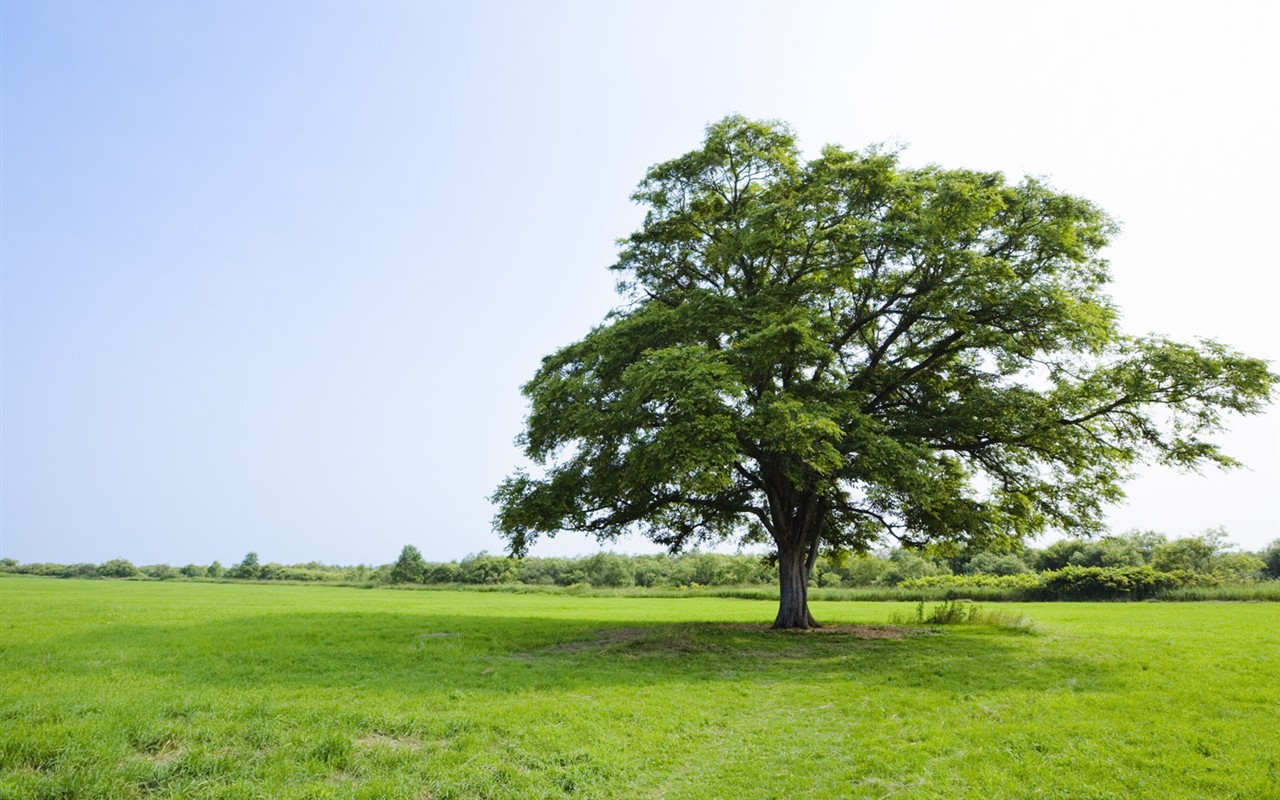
(821, 354)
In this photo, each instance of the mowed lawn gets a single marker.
(129, 689)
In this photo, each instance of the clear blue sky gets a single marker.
(273, 272)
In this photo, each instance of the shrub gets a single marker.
(1239, 567)
(484, 568)
(118, 568)
(1024, 581)
(159, 572)
(41, 568)
(441, 573)
(1108, 583)
(81, 571)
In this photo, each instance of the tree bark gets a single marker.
(793, 582)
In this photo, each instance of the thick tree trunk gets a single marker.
(793, 600)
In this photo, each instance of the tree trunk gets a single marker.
(793, 581)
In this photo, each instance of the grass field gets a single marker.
(131, 689)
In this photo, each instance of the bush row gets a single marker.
(1076, 583)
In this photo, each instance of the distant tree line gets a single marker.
(1128, 563)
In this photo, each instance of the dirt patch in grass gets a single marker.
(604, 637)
(164, 755)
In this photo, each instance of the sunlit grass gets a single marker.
(124, 689)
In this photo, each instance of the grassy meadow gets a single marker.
(121, 689)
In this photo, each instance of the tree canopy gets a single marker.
(820, 354)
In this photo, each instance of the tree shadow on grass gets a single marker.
(436, 653)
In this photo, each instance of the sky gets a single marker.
(273, 273)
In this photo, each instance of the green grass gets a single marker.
(119, 689)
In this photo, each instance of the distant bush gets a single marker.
(159, 572)
(1022, 581)
(1239, 567)
(484, 568)
(42, 569)
(1109, 583)
(118, 568)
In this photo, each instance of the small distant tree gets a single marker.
(8, 565)
(409, 567)
(194, 571)
(247, 569)
(1191, 554)
(216, 570)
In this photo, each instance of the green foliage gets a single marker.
(409, 567)
(1190, 554)
(818, 354)
(1025, 585)
(159, 572)
(1271, 559)
(1110, 583)
(485, 568)
(80, 571)
(1238, 567)
(247, 569)
(996, 564)
(1109, 551)
(905, 565)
